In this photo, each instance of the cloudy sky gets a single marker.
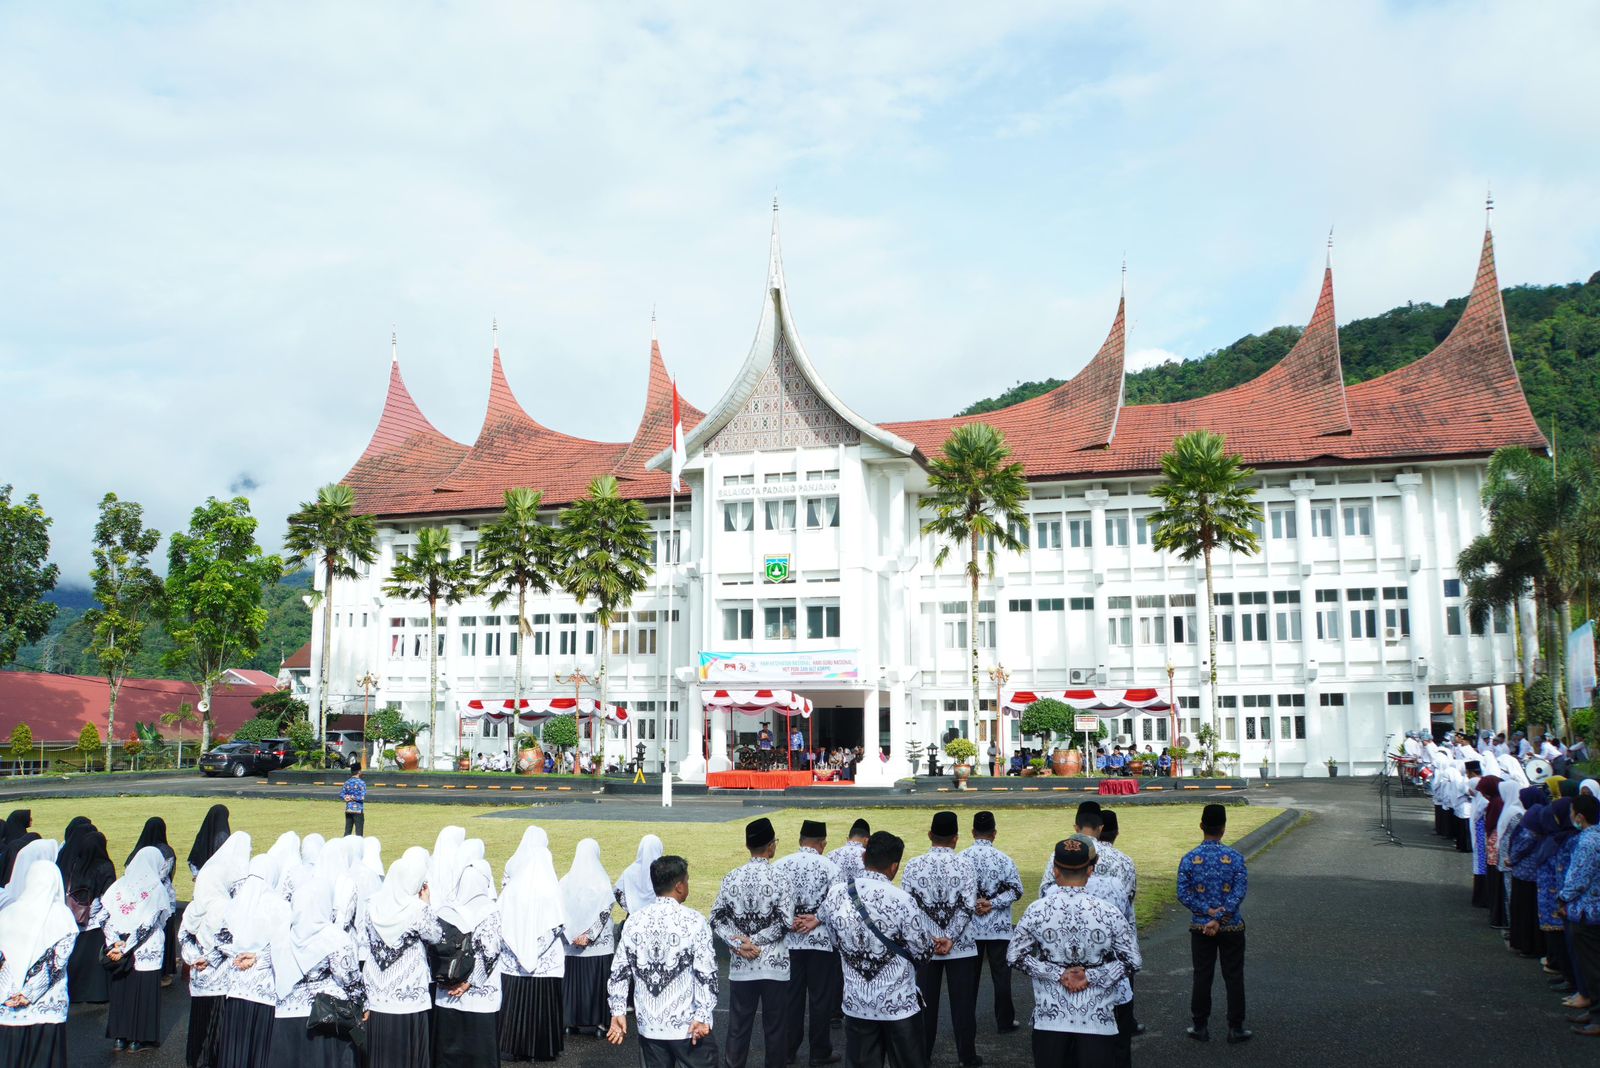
(214, 214)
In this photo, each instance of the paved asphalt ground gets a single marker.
(1360, 952)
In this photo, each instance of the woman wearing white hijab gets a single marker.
(533, 921)
(197, 942)
(465, 1018)
(38, 851)
(1590, 787)
(244, 1036)
(312, 848)
(587, 900)
(36, 937)
(399, 927)
(312, 954)
(1511, 768)
(133, 912)
(533, 838)
(1511, 813)
(634, 889)
(444, 864)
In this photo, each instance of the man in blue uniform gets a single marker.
(1211, 885)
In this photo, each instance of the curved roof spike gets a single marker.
(775, 253)
(402, 422)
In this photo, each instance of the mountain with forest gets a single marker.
(1555, 336)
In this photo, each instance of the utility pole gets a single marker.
(999, 676)
(368, 683)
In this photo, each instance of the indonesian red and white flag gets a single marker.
(678, 454)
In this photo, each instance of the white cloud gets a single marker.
(1143, 359)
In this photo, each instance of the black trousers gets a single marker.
(1122, 1048)
(813, 977)
(1586, 953)
(962, 975)
(355, 823)
(868, 1043)
(744, 998)
(1228, 946)
(1068, 1049)
(678, 1052)
(993, 951)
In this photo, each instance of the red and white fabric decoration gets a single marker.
(1092, 700)
(760, 702)
(539, 709)
(679, 454)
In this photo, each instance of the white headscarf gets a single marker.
(134, 901)
(309, 937)
(472, 898)
(531, 905)
(444, 865)
(638, 892)
(38, 851)
(257, 909)
(1592, 786)
(1511, 768)
(213, 887)
(372, 855)
(37, 919)
(585, 889)
(533, 839)
(395, 908)
(1510, 807)
(285, 854)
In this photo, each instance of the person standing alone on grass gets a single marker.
(354, 796)
(1211, 884)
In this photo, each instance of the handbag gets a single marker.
(453, 957)
(339, 1017)
(81, 904)
(116, 968)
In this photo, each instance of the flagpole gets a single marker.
(666, 709)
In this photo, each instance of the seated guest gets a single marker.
(1164, 761)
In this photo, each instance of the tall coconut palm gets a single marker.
(332, 533)
(606, 547)
(429, 573)
(977, 498)
(517, 554)
(1207, 503)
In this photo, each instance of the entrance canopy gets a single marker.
(537, 710)
(784, 703)
(1102, 701)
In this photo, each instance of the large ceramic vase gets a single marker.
(408, 757)
(1073, 762)
(1062, 762)
(963, 772)
(530, 761)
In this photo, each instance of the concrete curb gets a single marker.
(1269, 832)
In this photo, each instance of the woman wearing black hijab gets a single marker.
(15, 835)
(86, 872)
(155, 835)
(213, 832)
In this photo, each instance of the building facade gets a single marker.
(795, 558)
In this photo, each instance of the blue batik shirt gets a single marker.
(354, 794)
(1212, 876)
(1581, 888)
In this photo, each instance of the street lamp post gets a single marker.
(1000, 676)
(578, 679)
(368, 683)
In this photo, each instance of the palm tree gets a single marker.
(179, 717)
(977, 501)
(430, 574)
(1207, 503)
(606, 548)
(517, 553)
(332, 532)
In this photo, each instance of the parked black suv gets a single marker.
(239, 759)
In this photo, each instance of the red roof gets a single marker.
(300, 659)
(57, 706)
(252, 677)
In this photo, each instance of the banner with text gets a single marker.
(822, 665)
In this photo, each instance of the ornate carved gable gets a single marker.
(784, 411)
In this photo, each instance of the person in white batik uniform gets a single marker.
(1077, 949)
(813, 964)
(37, 933)
(848, 856)
(882, 938)
(999, 887)
(753, 914)
(945, 888)
(666, 961)
(1089, 827)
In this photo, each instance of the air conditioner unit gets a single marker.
(1080, 676)
(1101, 674)
(1391, 635)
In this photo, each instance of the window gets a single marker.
(1286, 615)
(1258, 726)
(738, 480)
(1119, 629)
(780, 514)
(1152, 618)
(955, 633)
(986, 624)
(469, 636)
(1398, 698)
(1081, 604)
(619, 641)
(738, 515)
(1116, 530)
(1452, 587)
(1020, 532)
(397, 637)
(1478, 627)
(1184, 631)
(738, 624)
(1224, 619)
(822, 621)
(1452, 620)
(1292, 726)
(1396, 615)
(777, 477)
(823, 475)
(1363, 620)
(588, 633)
(778, 622)
(1322, 521)
(1142, 528)
(1283, 524)
(1258, 527)
(1253, 624)
(822, 512)
(541, 635)
(1052, 604)
(1023, 605)
(1328, 615)
(1047, 533)
(1080, 534)
(669, 546)
(1331, 700)
(1358, 520)
(1502, 620)
(492, 635)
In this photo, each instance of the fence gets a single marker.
(68, 759)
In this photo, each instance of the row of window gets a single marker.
(780, 622)
(781, 514)
(633, 632)
(1046, 531)
(773, 478)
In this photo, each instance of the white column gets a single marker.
(871, 771)
(898, 766)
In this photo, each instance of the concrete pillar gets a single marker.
(871, 771)
(898, 766)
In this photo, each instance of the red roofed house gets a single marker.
(795, 560)
(56, 707)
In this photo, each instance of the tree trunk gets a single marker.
(111, 717)
(600, 714)
(1211, 638)
(327, 646)
(972, 636)
(433, 679)
(516, 688)
(205, 716)
(1559, 678)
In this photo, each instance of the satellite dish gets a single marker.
(1538, 770)
(1183, 741)
(203, 707)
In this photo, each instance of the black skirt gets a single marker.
(244, 1034)
(399, 1040)
(169, 957)
(1463, 834)
(295, 1047)
(39, 1045)
(1497, 898)
(465, 1039)
(1526, 938)
(87, 980)
(201, 1048)
(583, 992)
(530, 1018)
(135, 1012)
(1480, 892)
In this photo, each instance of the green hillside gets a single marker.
(1555, 334)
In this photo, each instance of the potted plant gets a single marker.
(1333, 768)
(1265, 765)
(390, 726)
(962, 752)
(560, 734)
(1178, 754)
(530, 756)
(389, 757)
(1035, 767)
(1050, 718)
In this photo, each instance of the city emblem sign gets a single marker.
(778, 568)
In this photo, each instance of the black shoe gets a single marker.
(1006, 1029)
(1138, 1029)
(1239, 1034)
(139, 1047)
(1199, 1032)
(832, 1058)
(118, 1046)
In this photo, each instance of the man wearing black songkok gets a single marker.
(753, 914)
(814, 975)
(945, 887)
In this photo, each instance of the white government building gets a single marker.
(1348, 627)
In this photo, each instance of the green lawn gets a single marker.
(1155, 836)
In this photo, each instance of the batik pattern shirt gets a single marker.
(755, 903)
(1212, 876)
(602, 937)
(811, 875)
(945, 888)
(43, 982)
(1508, 839)
(210, 981)
(665, 957)
(337, 975)
(1580, 891)
(1480, 848)
(1524, 850)
(879, 984)
(548, 961)
(1115, 864)
(397, 975)
(1000, 882)
(1552, 878)
(1109, 890)
(150, 941)
(847, 858)
(1072, 928)
(483, 987)
(254, 983)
